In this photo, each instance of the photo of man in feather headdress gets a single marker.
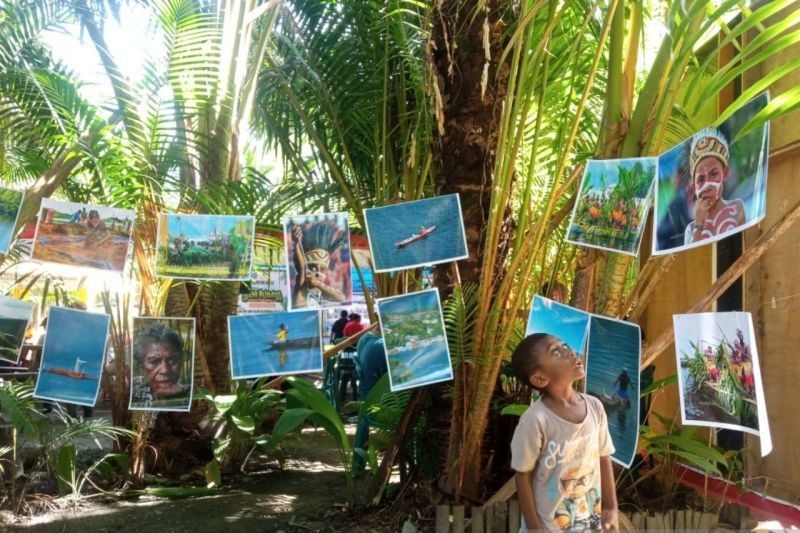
(318, 248)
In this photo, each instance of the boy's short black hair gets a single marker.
(525, 358)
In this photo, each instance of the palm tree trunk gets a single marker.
(468, 44)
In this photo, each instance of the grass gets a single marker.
(201, 271)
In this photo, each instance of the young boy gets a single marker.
(561, 448)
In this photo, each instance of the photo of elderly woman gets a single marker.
(713, 184)
(162, 364)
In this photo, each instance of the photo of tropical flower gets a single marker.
(719, 377)
(612, 204)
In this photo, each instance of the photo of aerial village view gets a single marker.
(414, 337)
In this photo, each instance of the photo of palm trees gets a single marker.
(212, 247)
(612, 204)
(719, 377)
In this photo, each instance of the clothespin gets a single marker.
(774, 304)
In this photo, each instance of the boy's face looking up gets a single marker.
(556, 362)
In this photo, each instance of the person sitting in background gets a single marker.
(348, 373)
(337, 329)
(371, 364)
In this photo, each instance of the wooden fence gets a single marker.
(504, 517)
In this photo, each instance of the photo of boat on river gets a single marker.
(274, 344)
(414, 337)
(72, 357)
(418, 233)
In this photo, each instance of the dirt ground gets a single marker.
(307, 495)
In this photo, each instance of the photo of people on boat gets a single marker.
(712, 184)
(162, 364)
(417, 233)
(274, 344)
(415, 340)
(612, 375)
(10, 202)
(612, 205)
(719, 377)
(72, 357)
(83, 235)
(318, 254)
(209, 247)
(15, 316)
(567, 323)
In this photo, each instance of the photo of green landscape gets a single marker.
(214, 247)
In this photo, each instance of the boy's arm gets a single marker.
(609, 518)
(526, 502)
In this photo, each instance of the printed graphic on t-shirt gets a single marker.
(577, 491)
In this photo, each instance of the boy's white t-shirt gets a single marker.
(565, 460)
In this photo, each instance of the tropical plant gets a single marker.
(304, 402)
(56, 440)
(372, 102)
(241, 417)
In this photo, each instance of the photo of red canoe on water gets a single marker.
(423, 232)
(415, 234)
(75, 373)
(73, 352)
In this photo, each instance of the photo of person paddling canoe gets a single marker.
(418, 233)
(271, 344)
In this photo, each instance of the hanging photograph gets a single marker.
(713, 184)
(205, 247)
(15, 316)
(72, 357)
(274, 344)
(162, 364)
(612, 376)
(10, 203)
(612, 204)
(83, 235)
(568, 324)
(414, 337)
(415, 234)
(268, 289)
(719, 378)
(318, 254)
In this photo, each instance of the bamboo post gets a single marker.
(488, 519)
(458, 519)
(477, 520)
(500, 517)
(442, 519)
(513, 516)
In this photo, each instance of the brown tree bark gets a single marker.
(471, 84)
